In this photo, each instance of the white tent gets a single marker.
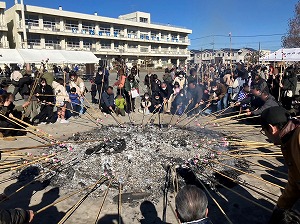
(8, 56)
(57, 56)
(54, 56)
(284, 54)
(79, 57)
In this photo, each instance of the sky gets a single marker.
(249, 21)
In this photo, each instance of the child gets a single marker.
(145, 104)
(62, 98)
(75, 101)
(120, 105)
(94, 92)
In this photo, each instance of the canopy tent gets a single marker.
(8, 56)
(20, 56)
(79, 57)
(284, 54)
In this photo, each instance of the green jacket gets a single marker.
(120, 103)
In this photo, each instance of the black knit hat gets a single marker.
(274, 116)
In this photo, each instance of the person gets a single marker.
(273, 81)
(168, 78)
(155, 85)
(243, 94)
(15, 78)
(218, 91)
(120, 105)
(148, 81)
(7, 110)
(120, 83)
(165, 93)
(284, 131)
(16, 216)
(179, 103)
(146, 104)
(107, 101)
(196, 94)
(181, 80)
(191, 205)
(75, 102)
(94, 92)
(288, 87)
(62, 99)
(45, 95)
(78, 83)
(3, 88)
(228, 82)
(267, 101)
(156, 103)
(99, 81)
(131, 92)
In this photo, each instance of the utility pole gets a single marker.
(213, 50)
(258, 52)
(230, 52)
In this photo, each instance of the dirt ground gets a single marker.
(238, 209)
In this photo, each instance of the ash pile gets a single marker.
(137, 157)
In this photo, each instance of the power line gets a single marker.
(241, 36)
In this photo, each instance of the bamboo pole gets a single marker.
(103, 201)
(249, 200)
(249, 174)
(215, 201)
(79, 202)
(62, 199)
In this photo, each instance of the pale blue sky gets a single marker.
(205, 18)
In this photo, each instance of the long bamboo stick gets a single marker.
(103, 201)
(222, 185)
(79, 202)
(249, 174)
(215, 201)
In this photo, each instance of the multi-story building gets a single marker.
(132, 36)
(3, 27)
(223, 56)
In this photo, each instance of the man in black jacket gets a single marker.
(195, 94)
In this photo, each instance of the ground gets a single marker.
(239, 210)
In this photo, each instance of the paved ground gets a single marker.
(239, 210)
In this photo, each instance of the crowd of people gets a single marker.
(253, 90)
(48, 97)
(249, 90)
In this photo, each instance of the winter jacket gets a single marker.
(120, 103)
(60, 92)
(14, 216)
(45, 90)
(196, 94)
(107, 99)
(181, 81)
(290, 83)
(121, 82)
(290, 137)
(270, 102)
(131, 85)
(79, 85)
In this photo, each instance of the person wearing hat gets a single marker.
(281, 130)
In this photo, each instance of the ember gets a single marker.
(137, 156)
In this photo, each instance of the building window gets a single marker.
(143, 20)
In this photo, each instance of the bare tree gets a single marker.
(292, 38)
